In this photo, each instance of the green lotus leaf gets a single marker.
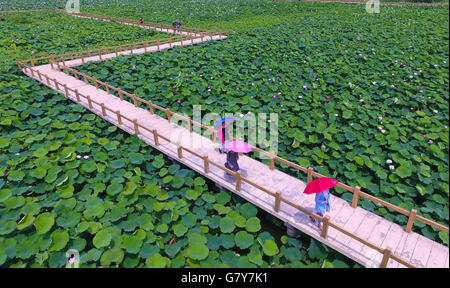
(66, 191)
(129, 188)
(7, 227)
(16, 175)
(403, 171)
(102, 238)
(223, 197)
(198, 251)
(195, 238)
(162, 228)
(243, 239)
(44, 222)
(114, 189)
(248, 210)
(4, 194)
(189, 219)
(227, 225)
(157, 261)
(114, 255)
(39, 172)
(136, 158)
(132, 244)
(117, 164)
(270, 248)
(179, 229)
(253, 225)
(172, 249)
(26, 221)
(59, 240)
(88, 167)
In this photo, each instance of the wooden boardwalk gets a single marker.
(411, 247)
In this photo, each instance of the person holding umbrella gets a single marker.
(223, 131)
(321, 188)
(234, 148)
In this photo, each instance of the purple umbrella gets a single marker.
(238, 146)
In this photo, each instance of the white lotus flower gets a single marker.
(86, 157)
(380, 118)
(392, 167)
(78, 157)
(388, 161)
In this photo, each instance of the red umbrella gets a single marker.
(320, 184)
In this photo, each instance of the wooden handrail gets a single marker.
(310, 171)
(277, 195)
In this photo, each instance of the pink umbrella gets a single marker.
(320, 184)
(238, 146)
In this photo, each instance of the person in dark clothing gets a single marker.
(232, 163)
(176, 25)
(141, 20)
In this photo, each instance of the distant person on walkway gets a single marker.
(176, 25)
(224, 135)
(232, 163)
(322, 205)
(141, 20)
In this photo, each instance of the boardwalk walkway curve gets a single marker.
(356, 233)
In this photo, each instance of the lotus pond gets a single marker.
(69, 180)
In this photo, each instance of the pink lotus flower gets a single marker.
(392, 86)
(411, 108)
(237, 89)
(253, 84)
(328, 97)
(159, 186)
(274, 96)
(134, 68)
(278, 77)
(421, 91)
(326, 103)
(323, 146)
(4, 172)
(424, 136)
(187, 79)
(431, 141)
(179, 101)
(295, 87)
(201, 96)
(311, 71)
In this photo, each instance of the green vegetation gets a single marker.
(68, 179)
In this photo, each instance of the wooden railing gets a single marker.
(23, 11)
(99, 52)
(151, 25)
(278, 198)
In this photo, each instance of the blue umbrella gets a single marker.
(226, 119)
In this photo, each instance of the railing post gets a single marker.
(272, 161)
(277, 201)
(56, 83)
(103, 109)
(324, 233)
(155, 137)
(213, 135)
(412, 217)
(134, 100)
(179, 150)
(310, 175)
(238, 180)
(386, 256)
(119, 118)
(77, 95)
(190, 124)
(51, 64)
(158, 44)
(355, 199)
(150, 106)
(89, 101)
(39, 74)
(120, 94)
(136, 128)
(168, 114)
(206, 164)
(48, 80)
(66, 90)
(85, 78)
(107, 87)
